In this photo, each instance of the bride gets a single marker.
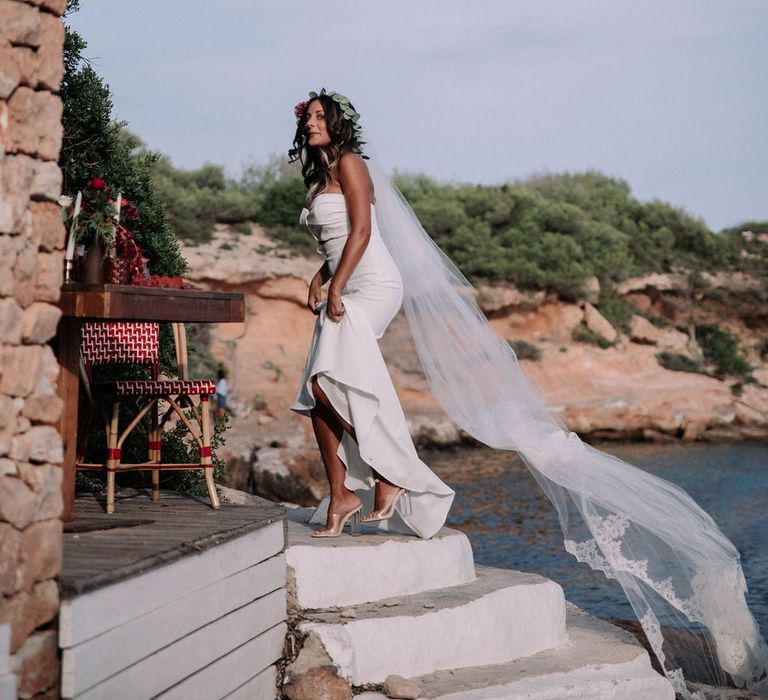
(346, 389)
(681, 575)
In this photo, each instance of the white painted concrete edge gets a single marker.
(348, 575)
(630, 680)
(506, 624)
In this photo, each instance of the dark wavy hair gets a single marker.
(318, 162)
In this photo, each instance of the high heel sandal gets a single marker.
(402, 496)
(339, 521)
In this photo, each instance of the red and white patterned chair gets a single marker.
(139, 343)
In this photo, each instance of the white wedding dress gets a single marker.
(350, 369)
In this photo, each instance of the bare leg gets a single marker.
(328, 427)
(323, 400)
(325, 419)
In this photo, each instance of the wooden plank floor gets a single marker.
(173, 527)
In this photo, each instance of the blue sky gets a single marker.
(670, 95)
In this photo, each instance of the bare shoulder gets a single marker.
(353, 173)
(352, 166)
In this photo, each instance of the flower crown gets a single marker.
(347, 111)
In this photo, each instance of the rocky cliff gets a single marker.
(620, 391)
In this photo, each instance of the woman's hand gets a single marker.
(335, 309)
(315, 294)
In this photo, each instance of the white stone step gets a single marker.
(599, 662)
(346, 570)
(502, 615)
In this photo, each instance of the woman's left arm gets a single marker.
(355, 182)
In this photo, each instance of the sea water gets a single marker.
(512, 525)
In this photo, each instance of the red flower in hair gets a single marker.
(298, 110)
(97, 183)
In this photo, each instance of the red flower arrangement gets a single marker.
(125, 262)
(162, 282)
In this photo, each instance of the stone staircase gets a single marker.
(377, 605)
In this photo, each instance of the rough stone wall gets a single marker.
(31, 262)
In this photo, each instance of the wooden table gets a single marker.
(115, 302)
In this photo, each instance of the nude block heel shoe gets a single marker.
(402, 496)
(339, 521)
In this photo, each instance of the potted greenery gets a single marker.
(98, 230)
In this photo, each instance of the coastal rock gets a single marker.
(297, 476)
(641, 330)
(433, 430)
(313, 676)
(320, 683)
(598, 323)
(669, 282)
(235, 497)
(277, 473)
(492, 299)
(732, 280)
(620, 392)
(399, 687)
(232, 259)
(761, 375)
(552, 320)
(592, 290)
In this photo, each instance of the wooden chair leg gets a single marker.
(154, 450)
(205, 451)
(113, 456)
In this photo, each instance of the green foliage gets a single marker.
(756, 227)
(271, 195)
(97, 221)
(195, 200)
(722, 353)
(552, 232)
(556, 231)
(294, 239)
(525, 350)
(722, 349)
(752, 249)
(678, 363)
(94, 145)
(282, 202)
(617, 311)
(178, 448)
(583, 334)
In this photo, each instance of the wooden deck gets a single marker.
(173, 599)
(101, 549)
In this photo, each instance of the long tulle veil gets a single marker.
(681, 575)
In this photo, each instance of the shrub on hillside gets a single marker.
(583, 334)
(195, 200)
(678, 363)
(616, 310)
(525, 350)
(722, 349)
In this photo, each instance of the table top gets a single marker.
(134, 303)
